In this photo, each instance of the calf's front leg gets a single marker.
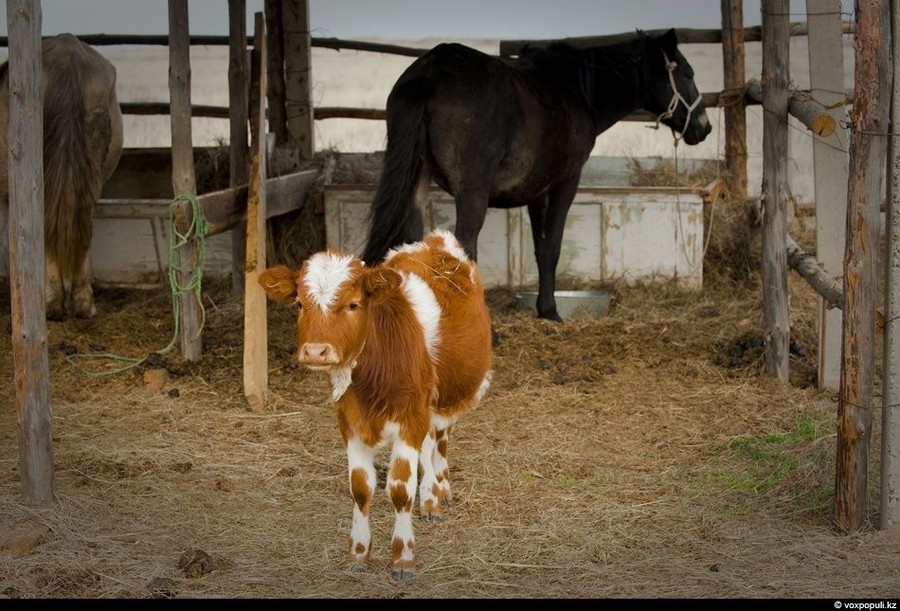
(401, 488)
(361, 465)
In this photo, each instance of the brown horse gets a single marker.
(82, 146)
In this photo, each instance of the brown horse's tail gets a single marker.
(394, 218)
(76, 139)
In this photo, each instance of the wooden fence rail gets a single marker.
(685, 36)
(507, 48)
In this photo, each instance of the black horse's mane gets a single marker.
(611, 56)
(580, 68)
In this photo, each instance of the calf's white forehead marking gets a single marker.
(325, 273)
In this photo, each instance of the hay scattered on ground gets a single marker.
(642, 454)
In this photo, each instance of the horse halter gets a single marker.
(676, 99)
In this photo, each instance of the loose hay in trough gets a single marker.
(641, 454)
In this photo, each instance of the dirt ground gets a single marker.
(642, 454)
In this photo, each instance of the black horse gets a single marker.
(504, 133)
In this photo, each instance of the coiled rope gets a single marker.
(197, 231)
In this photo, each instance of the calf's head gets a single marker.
(334, 293)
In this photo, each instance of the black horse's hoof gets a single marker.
(551, 315)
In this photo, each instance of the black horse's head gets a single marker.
(673, 95)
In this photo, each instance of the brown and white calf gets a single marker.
(407, 345)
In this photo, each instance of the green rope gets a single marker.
(197, 231)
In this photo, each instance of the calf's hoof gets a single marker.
(357, 568)
(402, 573)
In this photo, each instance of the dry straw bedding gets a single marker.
(643, 454)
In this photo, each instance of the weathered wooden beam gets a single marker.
(275, 90)
(239, 115)
(808, 111)
(298, 78)
(735, 112)
(226, 208)
(829, 288)
(775, 192)
(710, 100)
(870, 118)
(26, 255)
(685, 36)
(163, 108)
(184, 183)
(889, 514)
(256, 368)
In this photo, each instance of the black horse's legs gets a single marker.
(548, 221)
(546, 301)
(471, 211)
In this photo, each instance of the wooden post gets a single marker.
(774, 192)
(256, 367)
(735, 109)
(275, 70)
(239, 156)
(184, 183)
(870, 120)
(890, 414)
(26, 252)
(826, 76)
(297, 71)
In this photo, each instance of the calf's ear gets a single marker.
(378, 282)
(280, 283)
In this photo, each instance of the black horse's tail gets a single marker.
(394, 218)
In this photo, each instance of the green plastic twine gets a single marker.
(197, 231)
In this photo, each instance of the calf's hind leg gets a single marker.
(434, 488)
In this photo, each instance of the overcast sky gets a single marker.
(412, 19)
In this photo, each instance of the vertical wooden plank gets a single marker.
(238, 100)
(184, 182)
(297, 76)
(275, 69)
(256, 363)
(890, 411)
(735, 111)
(870, 118)
(826, 77)
(26, 252)
(774, 192)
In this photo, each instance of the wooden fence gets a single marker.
(850, 508)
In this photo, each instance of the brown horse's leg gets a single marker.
(82, 293)
(54, 291)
